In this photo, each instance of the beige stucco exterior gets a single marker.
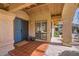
(7, 30)
(22, 14)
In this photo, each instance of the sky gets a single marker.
(76, 17)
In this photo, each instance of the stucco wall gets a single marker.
(7, 30)
(21, 14)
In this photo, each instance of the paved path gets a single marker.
(56, 48)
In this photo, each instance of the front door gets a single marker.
(41, 30)
(20, 30)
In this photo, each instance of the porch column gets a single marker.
(67, 17)
(6, 32)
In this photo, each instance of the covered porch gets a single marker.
(40, 18)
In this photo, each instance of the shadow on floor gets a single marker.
(54, 43)
(69, 53)
(60, 44)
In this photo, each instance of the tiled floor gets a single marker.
(32, 48)
(36, 48)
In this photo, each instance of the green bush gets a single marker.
(56, 34)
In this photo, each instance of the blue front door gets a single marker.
(17, 30)
(20, 29)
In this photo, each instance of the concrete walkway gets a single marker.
(56, 48)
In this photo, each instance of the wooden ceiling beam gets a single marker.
(15, 7)
(37, 6)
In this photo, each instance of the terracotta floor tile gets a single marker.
(33, 48)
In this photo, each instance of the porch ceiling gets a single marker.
(54, 8)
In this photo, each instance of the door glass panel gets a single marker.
(41, 30)
(37, 27)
